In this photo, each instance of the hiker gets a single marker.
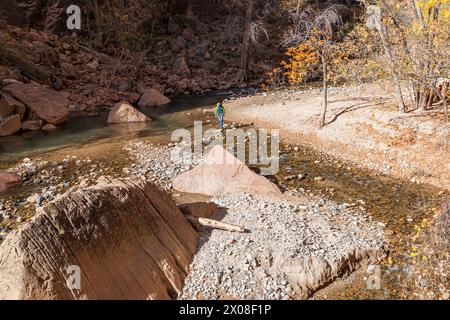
(219, 111)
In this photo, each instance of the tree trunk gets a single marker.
(443, 99)
(390, 57)
(297, 11)
(325, 92)
(422, 94)
(246, 41)
(413, 95)
(418, 13)
(422, 97)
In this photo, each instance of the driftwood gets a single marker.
(215, 224)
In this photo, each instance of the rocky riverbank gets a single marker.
(44, 181)
(46, 176)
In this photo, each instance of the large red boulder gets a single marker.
(46, 104)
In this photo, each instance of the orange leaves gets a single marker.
(301, 60)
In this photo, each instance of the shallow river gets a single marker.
(397, 203)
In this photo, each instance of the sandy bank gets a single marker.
(363, 127)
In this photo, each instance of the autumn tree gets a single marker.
(376, 22)
(301, 61)
(316, 32)
(415, 38)
(427, 58)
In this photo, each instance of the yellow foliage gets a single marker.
(301, 60)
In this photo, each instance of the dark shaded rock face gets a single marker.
(20, 12)
(128, 238)
(46, 14)
(178, 6)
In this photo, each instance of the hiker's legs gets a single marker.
(221, 120)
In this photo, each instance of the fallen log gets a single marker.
(215, 224)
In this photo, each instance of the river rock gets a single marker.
(9, 181)
(47, 104)
(153, 98)
(32, 125)
(10, 106)
(126, 239)
(10, 125)
(123, 112)
(222, 173)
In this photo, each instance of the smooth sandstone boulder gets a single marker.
(10, 125)
(9, 181)
(123, 112)
(153, 98)
(128, 238)
(48, 105)
(222, 173)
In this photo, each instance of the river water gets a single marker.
(81, 130)
(400, 204)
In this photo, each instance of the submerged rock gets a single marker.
(126, 237)
(222, 173)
